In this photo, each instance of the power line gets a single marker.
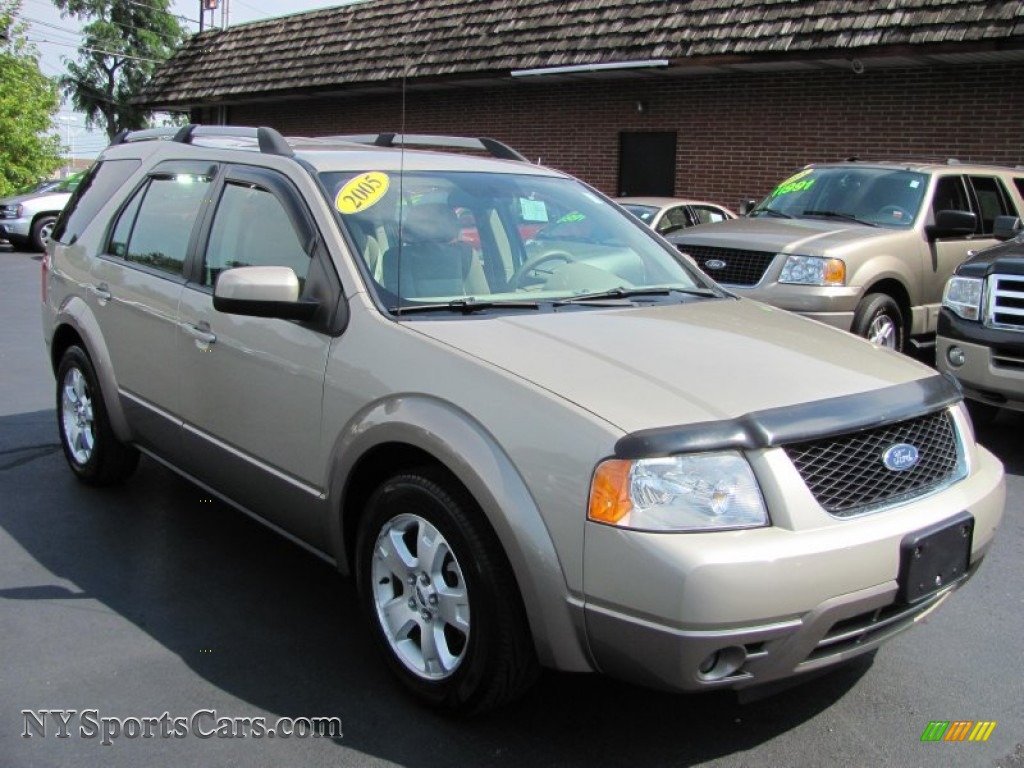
(96, 50)
(78, 33)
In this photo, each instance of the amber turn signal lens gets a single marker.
(835, 272)
(609, 492)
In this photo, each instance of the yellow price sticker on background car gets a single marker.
(360, 193)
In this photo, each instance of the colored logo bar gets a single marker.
(958, 730)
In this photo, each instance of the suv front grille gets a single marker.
(1006, 302)
(846, 474)
(741, 267)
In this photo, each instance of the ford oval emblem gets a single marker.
(900, 457)
(714, 264)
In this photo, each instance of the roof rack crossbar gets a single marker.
(270, 142)
(493, 147)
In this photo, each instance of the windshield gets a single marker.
(70, 184)
(873, 196)
(499, 240)
(643, 212)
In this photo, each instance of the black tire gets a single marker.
(982, 414)
(493, 661)
(41, 229)
(878, 318)
(92, 450)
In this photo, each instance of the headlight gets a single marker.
(712, 491)
(12, 211)
(963, 296)
(813, 270)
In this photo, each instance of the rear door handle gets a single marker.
(101, 292)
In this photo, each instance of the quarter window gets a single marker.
(252, 229)
(97, 187)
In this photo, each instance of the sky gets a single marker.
(57, 39)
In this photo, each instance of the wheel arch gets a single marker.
(403, 433)
(75, 325)
(894, 288)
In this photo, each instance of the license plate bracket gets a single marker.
(935, 557)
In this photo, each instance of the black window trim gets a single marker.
(163, 170)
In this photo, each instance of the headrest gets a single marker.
(430, 223)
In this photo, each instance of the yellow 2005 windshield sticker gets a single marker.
(360, 193)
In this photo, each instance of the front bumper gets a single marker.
(832, 306)
(993, 368)
(737, 609)
(18, 229)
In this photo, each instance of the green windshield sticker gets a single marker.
(571, 217)
(795, 183)
(533, 210)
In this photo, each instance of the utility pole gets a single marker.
(204, 6)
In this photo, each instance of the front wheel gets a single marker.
(91, 448)
(440, 595)
(42, 229)
(879, 320)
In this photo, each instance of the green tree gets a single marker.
(123, 43)
(28, 102)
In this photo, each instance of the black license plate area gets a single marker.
(935, 557)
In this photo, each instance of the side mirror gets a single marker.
(1006, 227)
(952, 224)
(262, 292)
(746, 206)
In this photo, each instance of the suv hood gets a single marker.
(1005, 258)
(813, 237)
(640, 368)
(13, 199)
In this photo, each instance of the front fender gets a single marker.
(471, 454)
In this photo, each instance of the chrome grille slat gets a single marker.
(846, 475)
(741, 267)
(1005, 307)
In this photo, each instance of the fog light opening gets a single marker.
(956, 356)
(721, 664)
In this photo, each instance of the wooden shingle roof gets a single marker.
(380, 41)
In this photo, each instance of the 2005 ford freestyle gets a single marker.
(531, 433)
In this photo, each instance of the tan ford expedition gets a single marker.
(866, 247)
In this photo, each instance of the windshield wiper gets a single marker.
(465, 306)
(631, 293)
(773, 212)
(839, 215)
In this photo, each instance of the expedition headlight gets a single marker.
(813, 270)
(963, 296)
(11, 211)
(701, 492)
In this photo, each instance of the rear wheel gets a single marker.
(92, 450)
(440, 595)
(879, 320)
(42, 229)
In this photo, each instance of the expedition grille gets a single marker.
(741, 267)
(1006, 302)
(846, 473)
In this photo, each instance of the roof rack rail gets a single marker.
(492, 146)
(270, 142)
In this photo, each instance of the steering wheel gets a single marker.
(534, 265)
(895, 212)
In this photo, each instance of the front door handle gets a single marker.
(201, 333)
(101, 292)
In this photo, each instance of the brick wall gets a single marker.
(738, 134)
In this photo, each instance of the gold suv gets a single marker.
(865, 247)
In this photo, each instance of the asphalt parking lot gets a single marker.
(151, 599)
